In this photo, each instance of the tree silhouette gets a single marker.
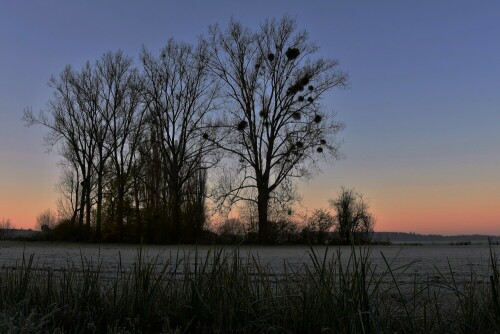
(319, 224)
(274, 124)
(69, 120)
(136, 145)
(353, 221)
(180, 93)
(120, 129)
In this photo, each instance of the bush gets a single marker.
(67, 230)
(231, 230)
(283, 231)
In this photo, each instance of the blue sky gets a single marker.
(422, 138)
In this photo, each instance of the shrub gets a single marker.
(68, 230)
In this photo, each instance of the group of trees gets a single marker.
(140, 144)
(132, 154)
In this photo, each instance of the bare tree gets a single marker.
(119, 126)
(180, 93)
(274, 123)
(69, 120)
(353, 221)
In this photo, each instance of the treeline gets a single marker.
(139, 143)
(134, 160)
(350, 222)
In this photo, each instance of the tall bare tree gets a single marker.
(69, 120)
(118, 127)
(274, 123)
(180, 93)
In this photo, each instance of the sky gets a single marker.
(422, 114)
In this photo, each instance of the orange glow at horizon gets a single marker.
(22, 200)
(22, 213)
(469, 207)
(425, 215)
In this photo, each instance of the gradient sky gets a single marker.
(422, 137)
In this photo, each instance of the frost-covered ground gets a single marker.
(427, 263)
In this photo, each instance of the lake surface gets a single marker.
(409, 263)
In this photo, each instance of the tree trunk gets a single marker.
(82, 205)
(263, 208)
(81, 209)
(88, 205)
(120, 202)
(76, 187)
(138, 219)
(99, 207)
(99, 197)
(75, 205)
(175, 213)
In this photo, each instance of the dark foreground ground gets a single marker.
(237, 289)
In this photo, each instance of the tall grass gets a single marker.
(225, 291)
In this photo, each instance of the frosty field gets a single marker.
(410, 263)
(85, 288)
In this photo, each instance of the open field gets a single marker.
(121, 288)
(422, 262)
